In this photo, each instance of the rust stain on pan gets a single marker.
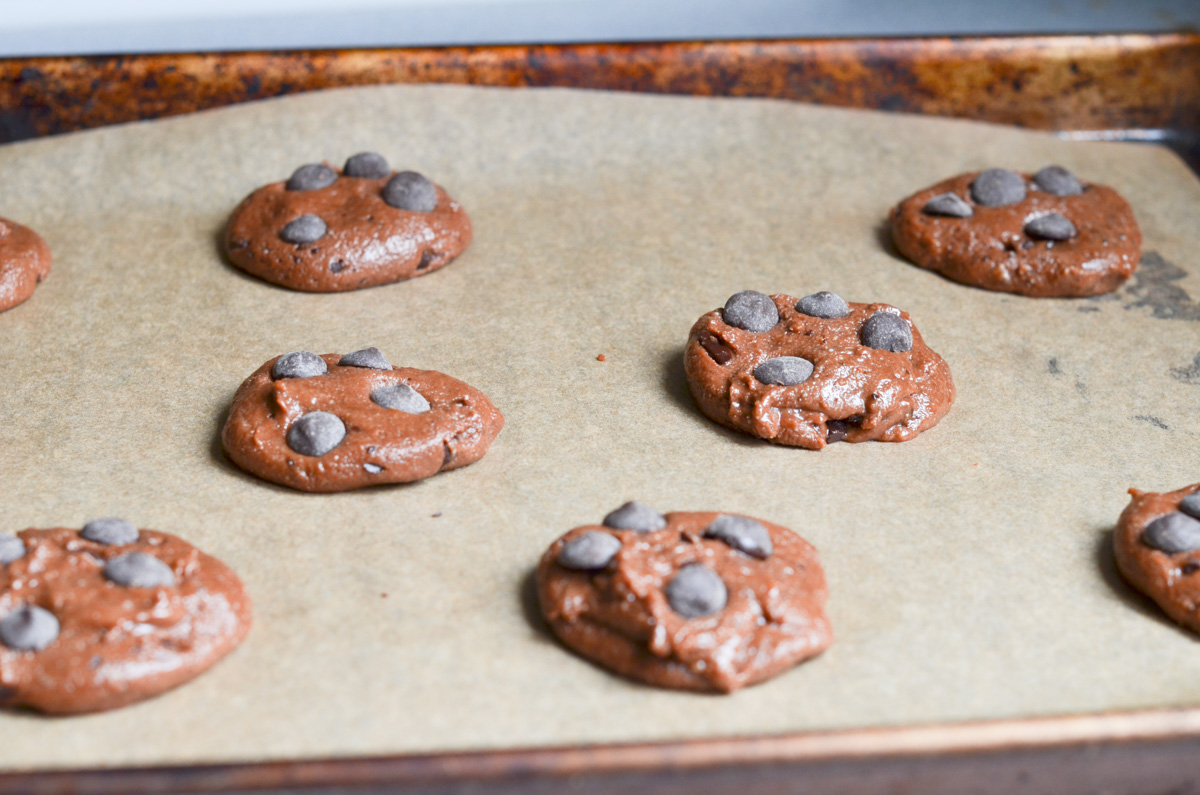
(1050, 82)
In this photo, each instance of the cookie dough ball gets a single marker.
(824, 371)
(329, 231)
(24, 263)
(696, 601)
(1157, 547)
(334, 423)
(1045, 234)
(103, 616)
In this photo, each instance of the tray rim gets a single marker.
(968, 742)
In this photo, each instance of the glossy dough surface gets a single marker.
(24, 263)
(991, 249)
(381, 445)
(1172, 581)
(368, 242)
(869, 394)
(116, 644)
(620, 616)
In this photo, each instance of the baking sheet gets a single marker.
(968, 568)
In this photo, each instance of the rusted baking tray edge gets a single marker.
(1151, 751)
(1132, 86)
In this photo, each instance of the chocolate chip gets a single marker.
(717, 349)
(948, 204)
(316, 433)
(139, 570)
(408, 190)
(836, 430)
(337, 266)
(1191, 567)
(313, 176)
(11, 548)
(886, 332)
(784, 371)
(400, 397)
(750, 310)
(369, 165)
(696, 591)
(1059, 181)
(825, 305)
(1191, 505)
(635, 516)
(741, 533)
(305, 229)
(1175, 532)
(298, 364)
(588, 551)
(367, 357)
(1051, 227)
(427, 258)
(110, 530)
(28, 628)
(997, 187)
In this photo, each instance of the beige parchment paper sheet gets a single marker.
(969, 568)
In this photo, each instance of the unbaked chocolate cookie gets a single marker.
(24, 263)
(328, 231)
(1157, 547)
(816, 370)
(333, 423)
(103, 617)
(689, 600)
(1044, 234)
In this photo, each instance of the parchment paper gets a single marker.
(969, 568)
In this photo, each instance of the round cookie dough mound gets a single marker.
(1057, 237)
(1157, 547)
(334, 423)
(325, 231)
(24, 263)
(868, 374)
(88, 625)
(701, 601)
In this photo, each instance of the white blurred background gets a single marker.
(58, 27)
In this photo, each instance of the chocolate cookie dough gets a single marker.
(333, 423)
(1157, 547)
(328, 231)
(24, 263)
(100, 618)
(816, 370)
(690, 600)
(1044, 234)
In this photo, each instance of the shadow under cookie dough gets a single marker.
(883, 236)
(532, 610)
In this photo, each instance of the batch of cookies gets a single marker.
(101, 616)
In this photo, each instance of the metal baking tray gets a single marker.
(1115, 87)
